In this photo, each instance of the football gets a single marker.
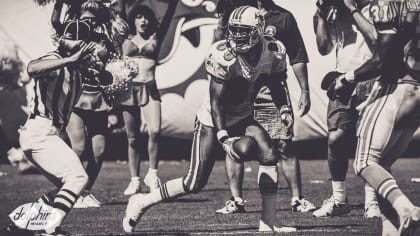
(246, 147)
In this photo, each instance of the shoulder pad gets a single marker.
(219, 59)
(277, 48)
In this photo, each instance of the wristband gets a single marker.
(354, 11)
(222, 135)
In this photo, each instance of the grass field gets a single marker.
(195, 214)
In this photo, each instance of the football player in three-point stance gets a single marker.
(392, 111)
(237, 69)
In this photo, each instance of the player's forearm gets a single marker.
(217, 108)
(322, 33)
(365, 26)
(301, 73)
(55, 16)
(39, 68)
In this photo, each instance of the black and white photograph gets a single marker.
(210, 117)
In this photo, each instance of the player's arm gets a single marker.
(364, 25)
(217, 90)
(45, 65)
(55, 17)
(323, 33)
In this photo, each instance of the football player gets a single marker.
(392, 112)
(237, 68)
(343, 33)
(282, 25)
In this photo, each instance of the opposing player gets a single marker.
(237, 68)
(392, 112)
(342, 33)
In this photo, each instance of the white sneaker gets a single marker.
(91, 201)
(372, 211)
(332, 208)
(133, 187)
(134, 211)
(302, 205)
(152, 181)
(274, 229)
(80, 203)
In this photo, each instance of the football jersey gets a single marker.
(398, 17)
(56, 93)
(242, 80)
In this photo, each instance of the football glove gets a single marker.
(228, 147)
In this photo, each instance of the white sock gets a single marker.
(238, 199)
(339, 191)
(169, 190)
(403, 206)
(370, 196)
(135, 178)
(267, 181)
(152, 171)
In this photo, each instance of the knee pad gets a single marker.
(267, 179)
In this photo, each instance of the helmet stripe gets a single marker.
(238, 12)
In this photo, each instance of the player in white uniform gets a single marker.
(392, 114)
(237, 69)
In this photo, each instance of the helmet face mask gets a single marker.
(245, 28)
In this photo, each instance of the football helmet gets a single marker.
(245, 28)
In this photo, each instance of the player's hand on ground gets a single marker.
(83, 52)
(304, 103)
(228, 147)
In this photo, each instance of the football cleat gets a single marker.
(232, 206)
(134, 211)
(410, 224)
(79, 204)
(302, 205)
(133, 187)
(372, 211)
(152, 181)
(332, 208)
(274, 229)
(91, 201)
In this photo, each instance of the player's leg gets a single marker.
(58, 161)
(388, 125)
(267, 177)
(152, 116)
(201, 165)
(235, 175)
(291, 169)
(131, 117)
(341, 139)
(97, 129)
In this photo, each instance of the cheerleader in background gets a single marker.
(143, 46)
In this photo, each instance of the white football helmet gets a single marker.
(245, 27)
